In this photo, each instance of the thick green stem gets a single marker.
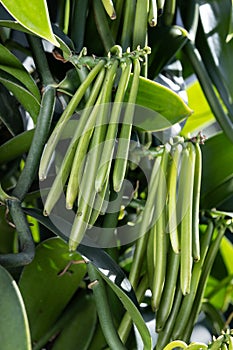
(43, 121)
(26, 255)
(40, 136)
(40, 60)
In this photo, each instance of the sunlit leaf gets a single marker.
(33, 15)
(161, 106)
(202, 115)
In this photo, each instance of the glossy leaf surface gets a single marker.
(15, 333)
(217, 179)
(162, 106)
(33, 16)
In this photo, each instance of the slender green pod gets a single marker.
(165, 335)
(109, 7)
(196, 202)
(161, 236)
(147, 218)
(160, 6)
(74, 180)
(64, 171)
(186, 192)
(86, 200)
(106, 159)
(172, 198)
(150, 254)
(169, 12)
(128, 24)
(167, 298)
(115, 25)
(144, 226)
(102, 25)
(100, 204)
(188, 300)
(124, 140)
(79, 157)
(78, 24)
(140, 24)
(153, 13)
(103, 309)
(66, 115)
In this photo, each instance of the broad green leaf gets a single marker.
(64, 41)
(132, 309)
(45, 293)
(29, 102)
(217, 171)
(9, 63)
(16, 146)
(220, 292)
(216, 52)
(78, 333)
(33, 15)
(164, 43)
(161, 106)
(9, 112)
(202, 115)
(15, 333)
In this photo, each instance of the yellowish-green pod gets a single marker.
(108, 149)
(167, 299)
(64, 171)
(109, 7)
(76, 172)
(196, 202)
(172, 198)
(67, 114)
(100, 204)
(85, 204)
(150, 254)
(186, 196)
(153, 13)
(161, 235)
(124, 140)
